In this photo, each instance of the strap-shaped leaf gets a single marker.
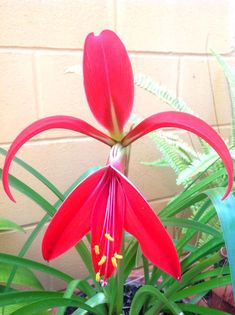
(226, 213)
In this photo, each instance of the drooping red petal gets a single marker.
(64, 122)
(107, 218)
(108, 80)
(190, 123)
(141, 221)
(72, 220)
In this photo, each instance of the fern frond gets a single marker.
(147, 83)
(197, 167)
(162, 92)
(230, 76)
(159, 163)
(169, 151)
(200, 165)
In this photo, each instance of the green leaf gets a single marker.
(130, 257)
(9, 225)
(200, 165)
(7, 310)
(35, 173)
(27, 263)
(192, 224)
(23, 277)
(220, 271)
(32, 194)
(147, 291)
(40, 301)
(40, 225)
(225, 210)
(190, 195)
(96, 300)
(82, 285)
(196, 309)
(201, 287)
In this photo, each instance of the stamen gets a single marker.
(102, 261)
(118, 256)
(97, 277)
(109, 237)
(97, 249)
(114, 262)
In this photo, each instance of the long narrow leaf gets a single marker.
(23, 277)
(226, 214)
(32, 194)
(197, 309)
(27, 263)
(35, 173)
(143, 294)
(202, 287)
(9, 225)
(192, 224)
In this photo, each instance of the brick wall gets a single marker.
(167, 40)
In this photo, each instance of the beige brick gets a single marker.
(162, 70)
(176, 26)
(61, 93)
(52, 23)
(62, 162)
(153, 182)
(225, 132)
(17, 99)
(196, 90)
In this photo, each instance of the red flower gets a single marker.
(106, 202)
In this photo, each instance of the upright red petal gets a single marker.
(107, 226)
(64, 122)
(72, 220)
(141, 221)
(190, 123)
(108, 81)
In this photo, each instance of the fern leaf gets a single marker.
(230, 75)
(162, 92)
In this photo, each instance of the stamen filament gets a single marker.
(109, 237)
(102, 261)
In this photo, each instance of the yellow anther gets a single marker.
(97, 249)
(97, 276)
(102, 261)
(109, 237)
(118, 256)
(114, 262)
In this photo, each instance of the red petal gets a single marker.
(107, 217)
(72, 220)
(108, 80)
(64, 122)
(141, 221)
(190, 123)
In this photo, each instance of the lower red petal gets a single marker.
(72, 220)
(107, 219)
(141, 221)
